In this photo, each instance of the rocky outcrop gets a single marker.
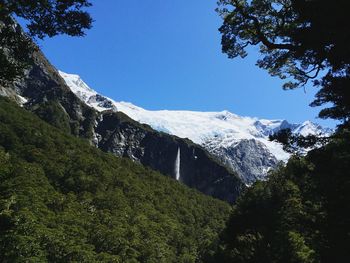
(250, 158)
(196, 168)
(42, 85)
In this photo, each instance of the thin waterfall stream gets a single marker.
(177, 165)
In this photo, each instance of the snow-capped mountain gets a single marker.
(241, 143)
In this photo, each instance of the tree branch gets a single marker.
(270, 45)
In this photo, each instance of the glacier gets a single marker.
(221, 133)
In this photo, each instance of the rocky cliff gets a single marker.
(178, 158)
(249, 158)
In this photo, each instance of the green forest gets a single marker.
(62, 200)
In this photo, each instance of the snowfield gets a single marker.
(212, 130)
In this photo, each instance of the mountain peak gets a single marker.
(200, 127)
(78, 86)
(218, 132)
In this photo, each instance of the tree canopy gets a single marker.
(43, 18)
(300, 214)
(300, 41)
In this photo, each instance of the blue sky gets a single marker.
(166, 54)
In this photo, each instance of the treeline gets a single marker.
(62, 200)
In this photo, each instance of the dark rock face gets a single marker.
(44, 89)
(43, 85)
(250, 158)
(125, 137)
(102, 101)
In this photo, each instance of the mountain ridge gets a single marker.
(223, 133)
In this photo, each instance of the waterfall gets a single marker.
(177, 165)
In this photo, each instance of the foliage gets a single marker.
(299, 215)
(298, 39)
(14, 50)
(298, 144)
(49, 18)
(53, 113)
(44, 18)
(62, 200)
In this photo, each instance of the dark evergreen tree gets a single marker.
(43, 18)
(303, 39)
(298, 144)
(301, 213)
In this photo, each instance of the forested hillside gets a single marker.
(62, 200)
(301, 214)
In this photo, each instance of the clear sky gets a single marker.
(166, 54)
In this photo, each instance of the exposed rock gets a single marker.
(125, 137)
(249, 158)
